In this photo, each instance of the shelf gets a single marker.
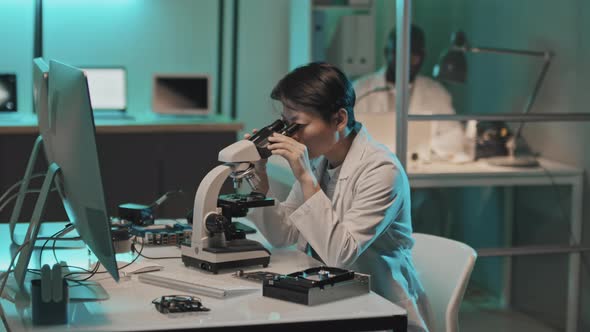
(27, 124)
(508, 117)
(530, 250)
(344, 10)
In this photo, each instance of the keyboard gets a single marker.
(193, 282)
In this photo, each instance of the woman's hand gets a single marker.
(260, 168)
(297, 156)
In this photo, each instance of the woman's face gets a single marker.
(318, 136)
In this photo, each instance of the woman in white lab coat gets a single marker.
(350, 205)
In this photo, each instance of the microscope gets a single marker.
(216, 244)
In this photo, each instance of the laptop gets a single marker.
(181, 94)
(108, 92)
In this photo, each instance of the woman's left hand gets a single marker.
(298, 158)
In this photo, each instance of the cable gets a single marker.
(11, 198)
(163, 257)
(563, 215)
(49, 238)
(95, 269)
(54, 238)
(10, 266)
(584, 258)
(4, 321)
(559, 197)
(133, 249)
(375, 90)
(36, 175)
(90, 275)
(165, 197)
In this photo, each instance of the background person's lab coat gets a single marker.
(366, 226)
(427, 96)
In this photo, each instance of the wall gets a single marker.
(567, 93)
(263, 58)
(138, 34)
(146, 37)
(16, 22)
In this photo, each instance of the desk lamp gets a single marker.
(452, 67)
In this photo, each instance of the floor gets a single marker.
(482, 313)
(488, 320)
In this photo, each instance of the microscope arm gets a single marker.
(206, 202)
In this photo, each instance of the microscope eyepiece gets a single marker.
(291, 129)
(260, 137)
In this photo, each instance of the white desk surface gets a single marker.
(130, 308)
(446, 174)
(440, 174)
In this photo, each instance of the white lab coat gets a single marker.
(366, 226)
(427, 96)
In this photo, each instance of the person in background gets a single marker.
(376, 94)
(350, 204)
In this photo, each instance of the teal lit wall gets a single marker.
(146, 37)
(262, 58)
(16, 24)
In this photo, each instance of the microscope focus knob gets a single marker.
(215, 223)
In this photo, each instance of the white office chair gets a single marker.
(444, 267)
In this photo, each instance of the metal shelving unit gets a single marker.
(403, 15)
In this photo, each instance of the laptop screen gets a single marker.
(181, 94)
(108, 88)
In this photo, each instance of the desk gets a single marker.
(440, 174)
(551, 172)
(130, 308)
(140, 159)
(148, 123)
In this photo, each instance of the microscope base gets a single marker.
(237, 253)
(214, 267)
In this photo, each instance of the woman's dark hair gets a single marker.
(319, 87)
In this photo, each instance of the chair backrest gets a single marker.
(444, 267)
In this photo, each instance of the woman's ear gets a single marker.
(341, 119)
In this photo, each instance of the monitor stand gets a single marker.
(14, 217)
(18, 205)
(83, 291)
(79, 291)
(88, 290)
(22, 264)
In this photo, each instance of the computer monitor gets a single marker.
(40, 105)
(8, 93)
(43, 142)
(73, 168)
